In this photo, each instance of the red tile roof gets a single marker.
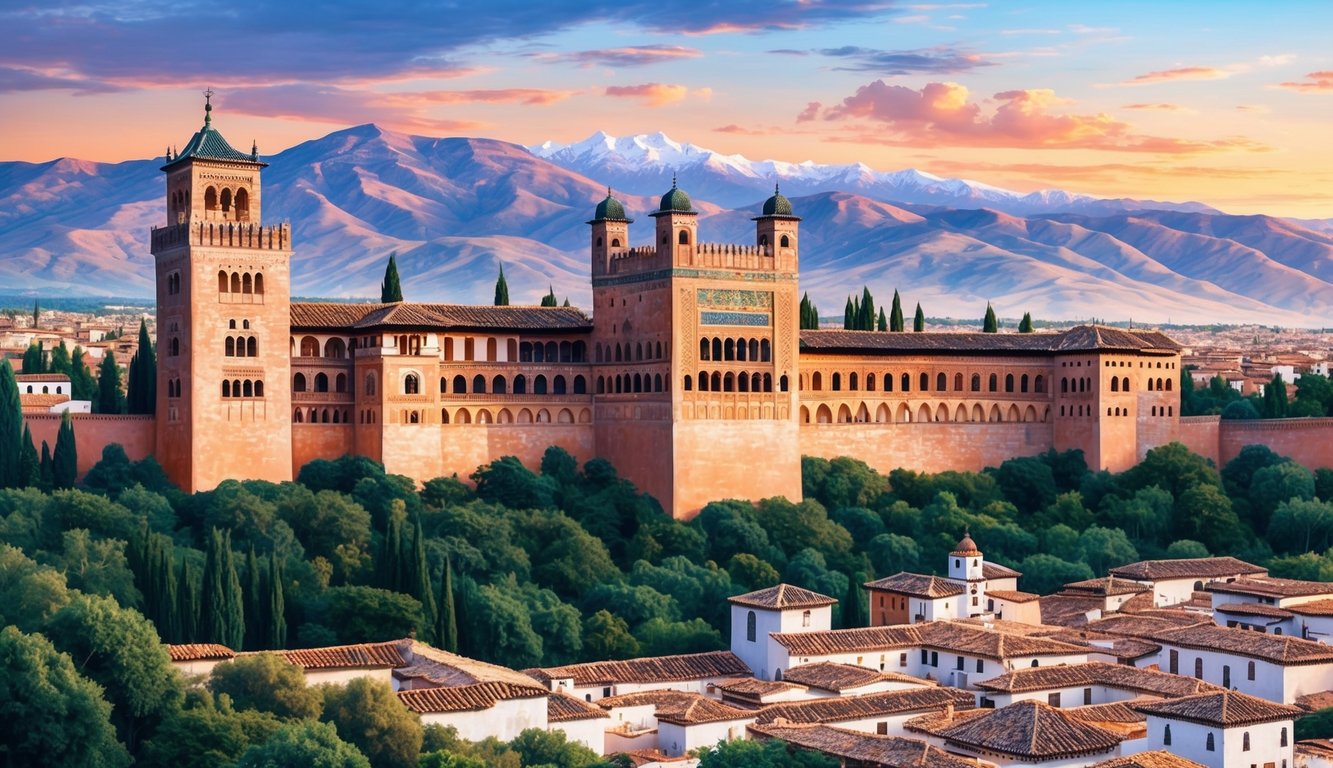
(1187, 568)
(1029, 730)
(1270, 587)
(1254, 609)
(855, 747)
(1313, 608)
(200, 652)
(361, 655)
(1012, 595)
(955, 637)
(678, 707)
(1280, 649)
(1156, 759)
(783, 596)
(1119, 676)
(1107, 586)
(344, 317)
(843, 708)
(1223, 708)
(831, 676)
(652, 669)
(466, 698)
(563, 708)
(917, 585)
(1083, 338)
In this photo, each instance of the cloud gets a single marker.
(741, 131)
(655, 94)
(628, 56)
(810, 112)
(1180, 73)
(942, 114)
(1159, 107)
(1315, 82)
(1113, 172)
(1257, 109)
(14, 79)
(279, 42)
(933, 61)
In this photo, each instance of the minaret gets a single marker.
(610, 232)
(677, 226)
(776, 228)
(223, 319)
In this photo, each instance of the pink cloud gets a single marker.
(1180, 73)
(651, 94)
(1156, 107)
(1315, 82)
(942, 114)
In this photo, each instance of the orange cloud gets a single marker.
(1180, 73)
(941, 114)
(654, 94)
(1160, 107)
(1315, 82)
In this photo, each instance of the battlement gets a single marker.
(277, 237)
(733, 249)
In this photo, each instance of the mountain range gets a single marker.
(454, 209)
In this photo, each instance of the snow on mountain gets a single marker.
(454, 209)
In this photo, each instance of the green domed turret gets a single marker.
(675, 201)
(610, 209)
(777, 205)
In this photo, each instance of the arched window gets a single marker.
(226, 388)
(296, 417)
(703, 349)
(222, 282)
(210, 199)
(1023, 383)
(539, 385)
(460, 385)
(246, 285)
(816, 382)
(230, 347)
(907, 383)
(782, 382)
(1166, 736)
(321, 382)
(370, 383)
(581, 385)
(558, 385)
(411, 384)
(1008, 382)
(479, 385)
(750, 628)
(175, 346)
(340, 383)
(976, 382)
(247, 388)
(298, 382)
(684, 238)
(1209, 744)
(1283, 738)
(520, 384)
(251, 347)
(687, 383)
(870, 382)
(1198, 668)
(785, 242)
(499, 386)
(717, 349)
(259, 389)
(958, 382)
(923, 382)
(994, 383)
(259, 282)
(235, 282)
(837, 382)
(1115, 384)
(1039, 384)
(335, 348)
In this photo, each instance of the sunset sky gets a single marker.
(1228, 103)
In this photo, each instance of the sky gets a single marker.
(1227, 103)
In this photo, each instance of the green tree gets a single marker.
(501, 289)
(751, 572)
(205, 733)
(446, 632)
(36, 314)
(865, 318)
(252, 598)
(306, 743)
(1106, 548)
(418, 581)
(142, 385)
(849, 316)
(275, 610)
(366, 614)
(539, 747)
(1273, 485)
(108, 386)
(266, 682)
(60, 360)
(81, 384)
(549, 299)
(391, 290)
(222, 612)
(896, 314)
(853, 609)
(1302, 526)
(772, 753)
(1275, 398)
(12, 427)
(919, 320)
(34, 358)
(809, 314)
(30, 594)
(188, 590)
(369, 716)
(121, 651)
(989, 324)
(1044, 574)
(50, 715)
(1316, 725)
(65, 460)
(1025, 325)
(659, 637)
(608, 637)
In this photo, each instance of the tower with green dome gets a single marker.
(677, 226)
(610, 232)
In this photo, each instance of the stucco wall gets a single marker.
(927, 447)
(319, 441)
(1308, 441)
(93, 432)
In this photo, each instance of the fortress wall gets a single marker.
(93, 432)
(641, 451)
(319, 441)
(1199, 434)
(927, 447)
(1152, 431)
(1308, 441)
(464, 447)
(752, 459)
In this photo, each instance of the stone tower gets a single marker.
(717, 326)
(223, 315)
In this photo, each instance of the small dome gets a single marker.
(610, 208)
(777, 205)
(675, 200)
(966, 546)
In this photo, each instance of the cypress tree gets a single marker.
(391, 290)
(143, 375)
(65, 460)
(446, 633)
(883, 322)
(989, 324)
(566, 304)
(108, 385)
(852, 613)
(166, 601)
(809, 313)
(549, 299)
(30, 466)
(12, 429)
(848, 315)
(276, 610)
(866, 312)
(501, 289)
(420, 587)
(896, 314)
(34, 358)
(1275, 398)
(1025, 325)
(36, 312)
(60, 362)
(222, 615)
(918, 320)
(46, 471)
(81, 384)
(187, 605)
(253, 598)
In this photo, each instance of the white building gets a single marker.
(1078, 685)
(1266, 604)
(501, 710)
(911, 598)
(1221, 730)
(1175, 581)
(1277, 668)
(199, 658)
(1025, 733)
(783, 608)
(672, 722)
(593, 680)
(880, 713)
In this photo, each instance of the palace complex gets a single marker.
(691, 375)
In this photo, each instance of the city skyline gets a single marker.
(1132, 100)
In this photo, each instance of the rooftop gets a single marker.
(1027, 729)
(360, 655)
(467, 698)
(1118, 676)
(1012, 595)
(445, 669)
(1254, 609)
(860, 748)
(563, 708)
(1083, 338)
(678, 707)
(1223, 708)
(831, 676)
(840, 709)
(955, 637)
(1187, 568)
(343, 317)
(1158, 758)
(1270, 587)
(652, 669)
(200, 652)
(1279, 649)
(917, 585)
(783, 596)
(1107, 586)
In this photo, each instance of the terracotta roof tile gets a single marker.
(1083, 338)
(1281, 649)
(466, 698)
(1114, 712)
(1224, 708)
(652, 669)
(1313, 608)
(1270, 587)
(783, 596)
(917, 585)
(678, 707)
(1159, 758)
(991, 571)
(831, 676)
(956, 637)
(860, 748)
(848, 640)
(840, 709)
(200, 652)
(563, 708)
(1254, 609)
(1027, 729)
(330, 315)
(444, 669)
(1107, 586)
(1315, 748)
(1117, 676)
(1187, 568)
(750, 687)
(1012, 595)
(368, 655)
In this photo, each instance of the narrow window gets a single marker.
(750, 626)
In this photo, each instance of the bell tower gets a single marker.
(677, 226)
(223, 312)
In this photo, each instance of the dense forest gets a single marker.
(519, 567)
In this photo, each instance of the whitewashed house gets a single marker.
(1277, 668)
(1090, 684)
(782, 608)
(199, 658)
(1025, 733)
(1175, 581)
(593, 680)
(1225, 729)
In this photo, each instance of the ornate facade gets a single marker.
(691, 376)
